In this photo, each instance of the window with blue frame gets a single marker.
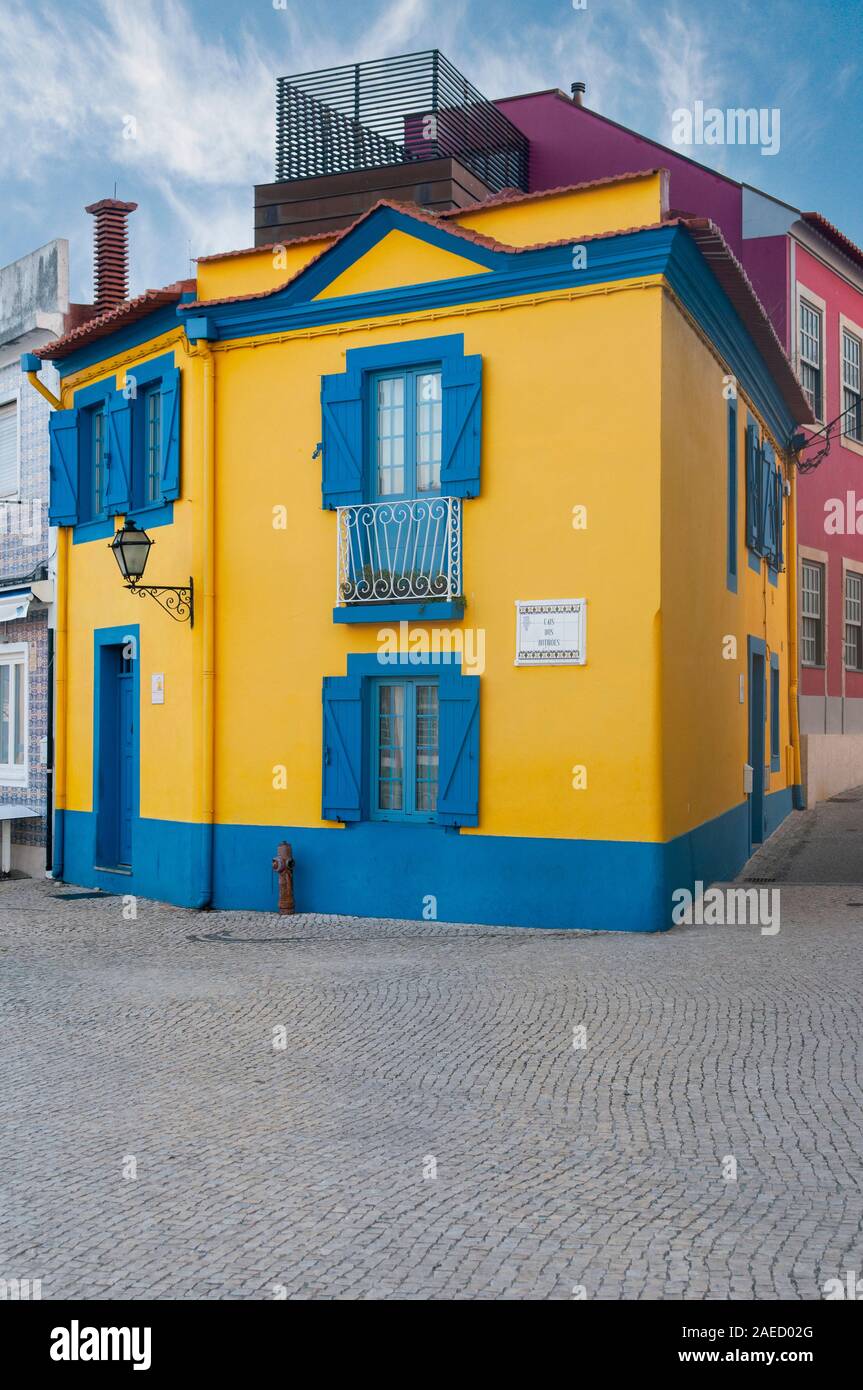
(400, 438)
(117, 451)
(403, 420)
(402, 746)
(404, 762)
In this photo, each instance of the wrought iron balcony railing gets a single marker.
(399, 550)
(394, 111)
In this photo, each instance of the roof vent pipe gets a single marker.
(111, 252)
(578, 90)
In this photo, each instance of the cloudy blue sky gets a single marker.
(198, 77)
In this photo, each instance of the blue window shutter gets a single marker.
(753, 487)
(458, 769)
(768, 501)
(170, 470)
(63, 429)
(342, 439)
(118, 416)
(461, 386)
(342, 780)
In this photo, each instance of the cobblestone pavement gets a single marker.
(411, 1045)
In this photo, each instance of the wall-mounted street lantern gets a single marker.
(131, 548)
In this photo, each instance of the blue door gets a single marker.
(117, 758)
(757, 710)
(126, 763)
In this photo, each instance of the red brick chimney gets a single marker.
(111, 252)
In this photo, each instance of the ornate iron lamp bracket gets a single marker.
(177, 601)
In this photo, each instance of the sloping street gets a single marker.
(824, 845)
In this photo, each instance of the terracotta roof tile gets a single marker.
(102, 324)
(827, 229)
(267, 246)
(733, 279)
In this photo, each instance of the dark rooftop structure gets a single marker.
(411, 128)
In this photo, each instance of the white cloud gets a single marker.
(153, 96)
(202, 112)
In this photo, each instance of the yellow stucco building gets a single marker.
(484, 523)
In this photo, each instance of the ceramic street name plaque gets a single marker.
(550, 632)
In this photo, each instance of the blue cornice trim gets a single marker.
(327, 268)
(523, 273)
(160, 321)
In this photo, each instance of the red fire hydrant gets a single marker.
(283, 865)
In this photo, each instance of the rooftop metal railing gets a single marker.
(394, 111)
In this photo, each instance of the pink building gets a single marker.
(809, 277)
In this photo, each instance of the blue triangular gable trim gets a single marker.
(372, 230)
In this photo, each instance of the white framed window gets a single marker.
(811, 352)
(852, 386)
(13, 713)
(853, 621)
(9, 451)
(812, 613)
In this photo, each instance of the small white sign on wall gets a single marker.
(551, 632)
(157, 689)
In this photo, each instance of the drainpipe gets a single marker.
(205, 606)
(793, 661)
(41, 387)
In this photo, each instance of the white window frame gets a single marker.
(819, 305)
(851, 571)
(853, 330)
(819, 617)
(13, 397)
(14, 654)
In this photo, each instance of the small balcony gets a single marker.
(400, 552)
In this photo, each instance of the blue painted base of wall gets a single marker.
(378, 869)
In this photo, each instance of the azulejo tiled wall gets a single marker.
(24, 542)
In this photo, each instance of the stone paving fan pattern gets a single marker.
(303, 1168)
